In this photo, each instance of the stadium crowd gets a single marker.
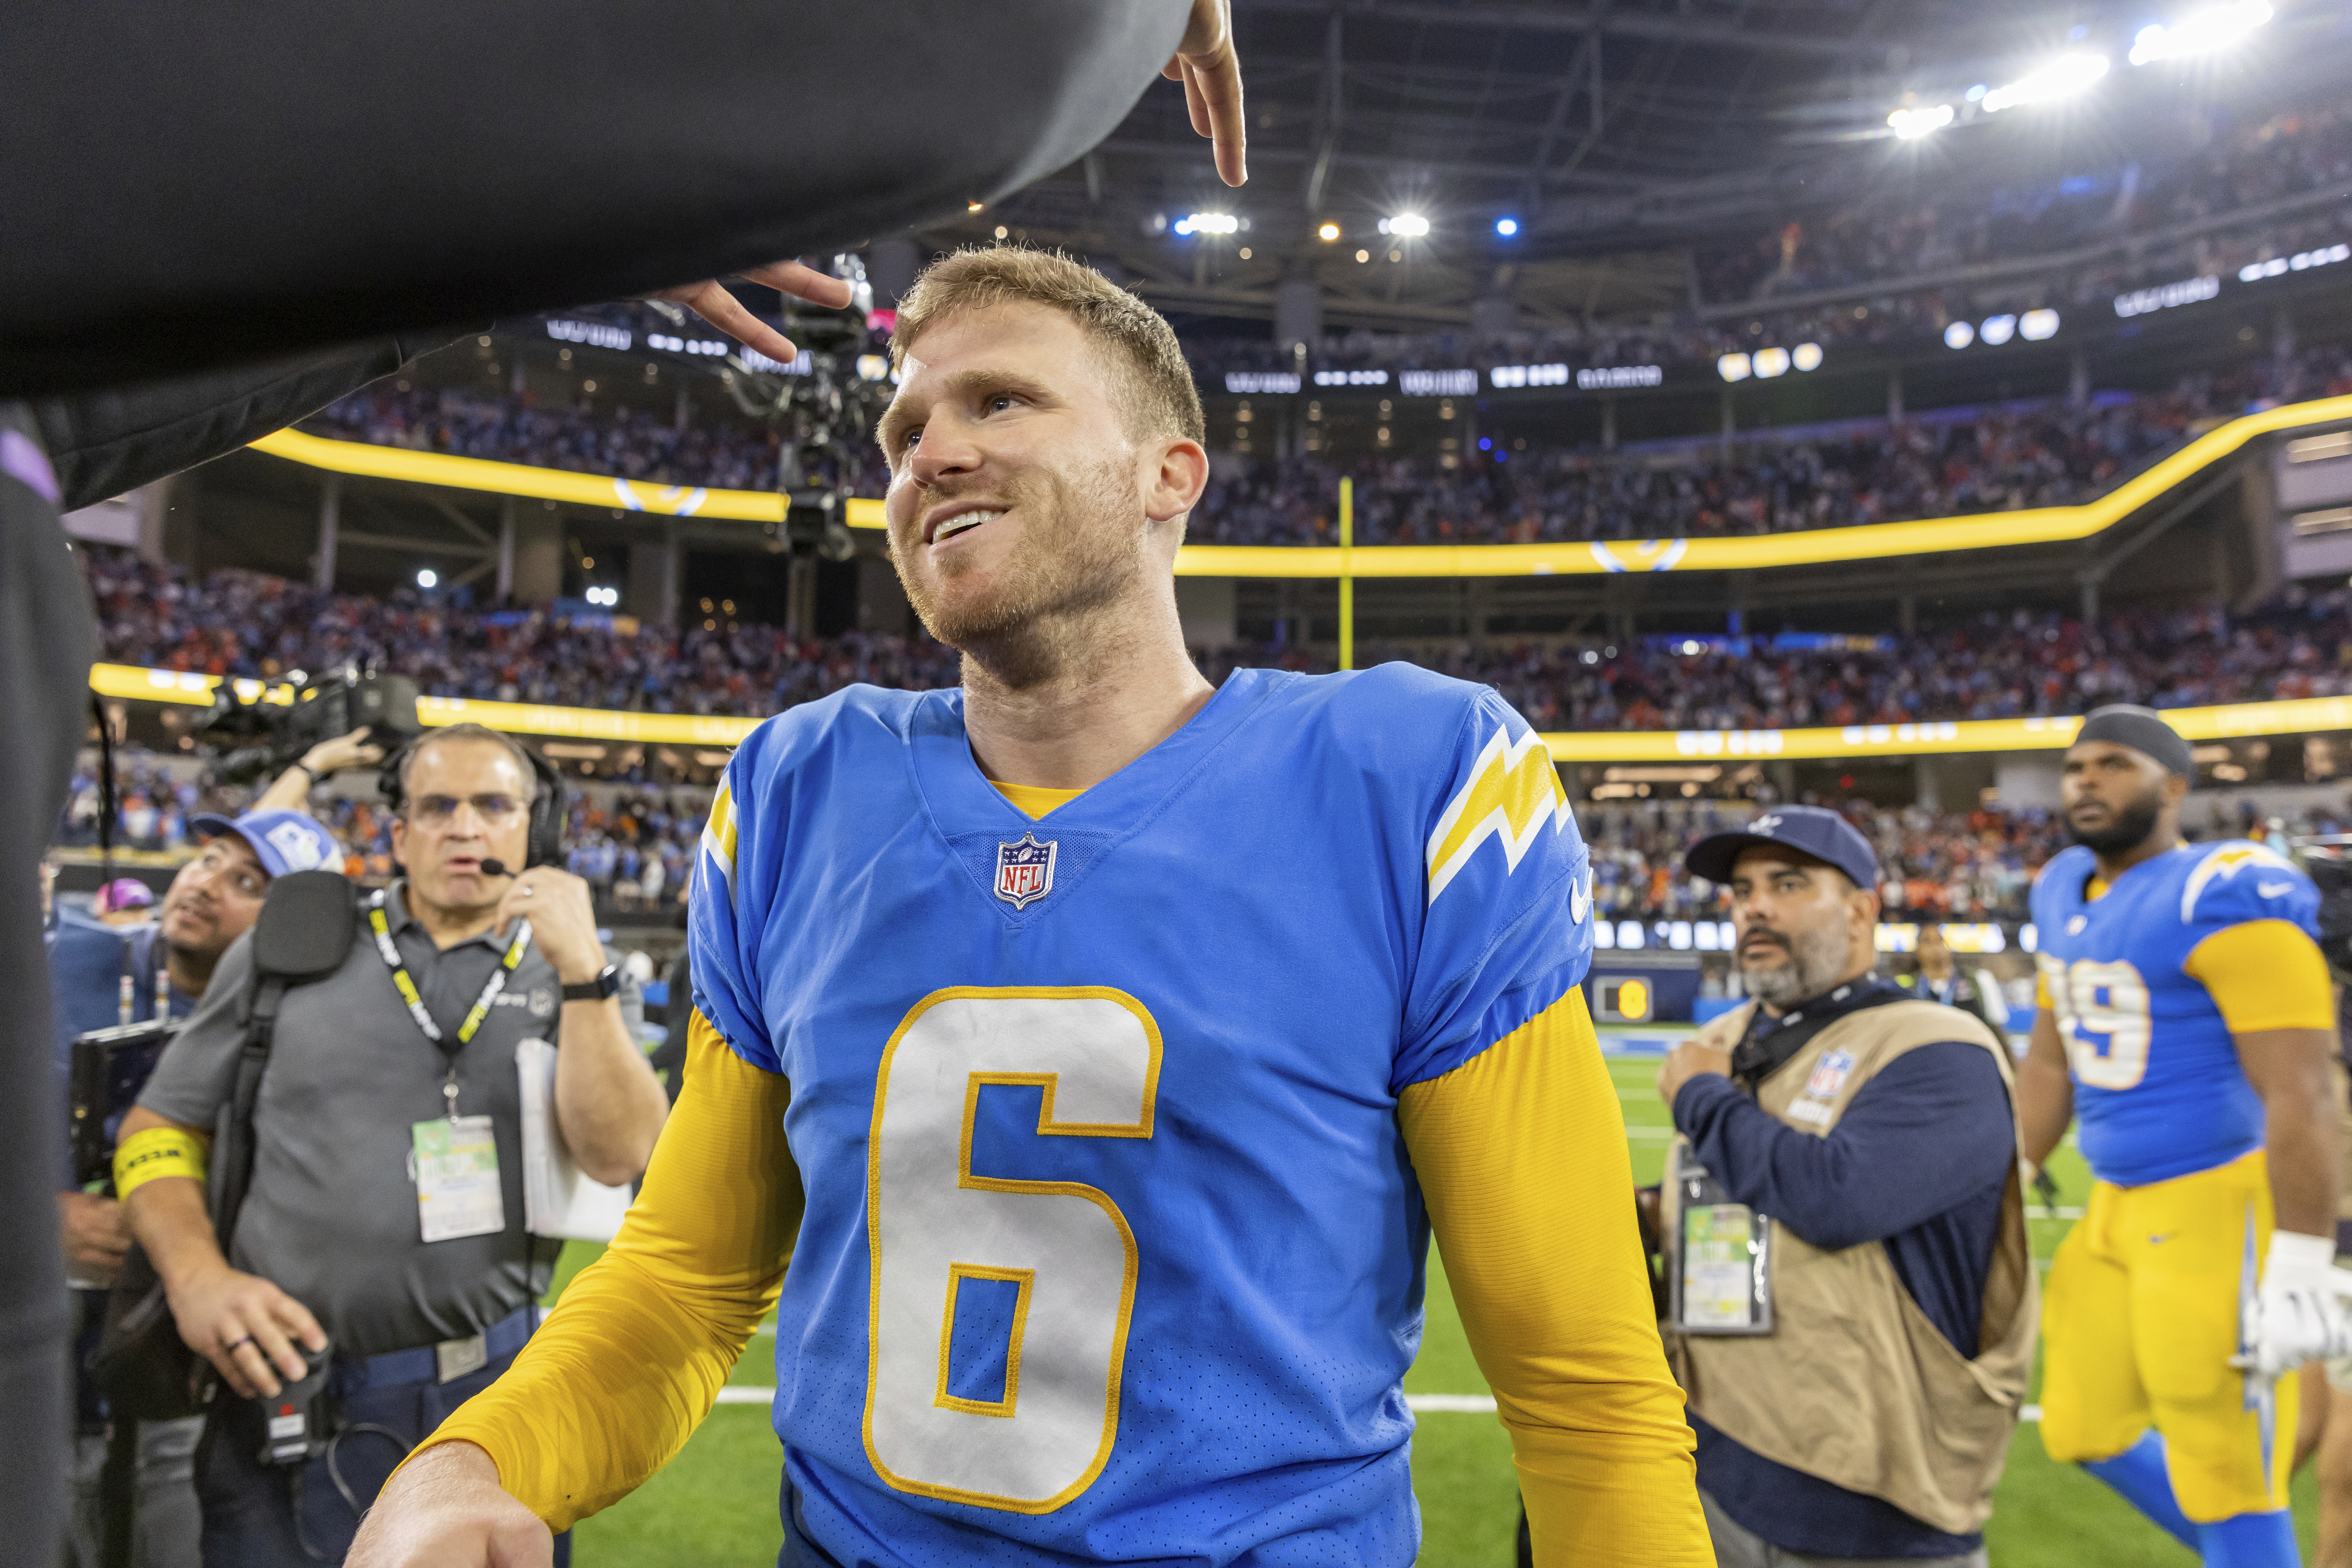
(1895, 237)
(2004, 460)
(629, 443)
(1941, 463)
(242, 624)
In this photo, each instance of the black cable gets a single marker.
(107, 792)
(359, 1510)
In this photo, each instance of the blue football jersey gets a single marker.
(1112, 1247)
(2158, 1091)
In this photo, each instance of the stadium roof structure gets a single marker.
(1613, 134)
(1814, 547)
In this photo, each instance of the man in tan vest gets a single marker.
(1852, 1300)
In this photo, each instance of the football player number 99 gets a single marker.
(2102, 1018)
(1095, 1052)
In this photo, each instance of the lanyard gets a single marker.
(416, 1009)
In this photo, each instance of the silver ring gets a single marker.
(528, 891)
(234, 1348)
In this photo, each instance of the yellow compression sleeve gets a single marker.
(1036, 800)
(1522, 1158)
(635, 1353)
(156, 1152)
(2264, 974)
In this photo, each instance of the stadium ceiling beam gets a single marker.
(1564, 19)
(1513, 174)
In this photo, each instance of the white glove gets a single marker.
(2299, 1318)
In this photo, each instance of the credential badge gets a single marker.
(1024, 871)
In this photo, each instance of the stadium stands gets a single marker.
(1937, 464)
(242, 624)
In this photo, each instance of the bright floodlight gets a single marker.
(1209, 223)
(1412, 226)
(2035, 325)
(1329, 231)
(1806, 356)
(2206, 32)
(2062, 77)
(1996, 330)
(1770, 362)
(1507, 226)
(426, 577)
(1911, 123)
(1960, 335)
(1734, 367)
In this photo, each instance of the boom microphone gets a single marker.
(495, 868)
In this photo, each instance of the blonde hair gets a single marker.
(1154, 383)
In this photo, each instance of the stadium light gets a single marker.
(1507, 226)
(2062, 77)
(427, 578)
(2204, 33)
(2036, 325)
(1735, 367)
(1770, 362)
(1208, 222)
(1996, 330)
(1327, 232)
(1910, 124)
(1411, 226)
(1806, 356)
(1960, 335)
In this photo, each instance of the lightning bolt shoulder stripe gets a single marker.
(718, 836)
(1513, 791)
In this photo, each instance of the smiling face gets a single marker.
(1024, 510)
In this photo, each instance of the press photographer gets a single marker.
(107, 975)
(384, 1215)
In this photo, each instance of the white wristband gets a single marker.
(2299, 1259)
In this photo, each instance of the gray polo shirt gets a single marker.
(332, 1218)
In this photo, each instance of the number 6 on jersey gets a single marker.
(933, 1226)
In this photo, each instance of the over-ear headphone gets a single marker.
(548, 803)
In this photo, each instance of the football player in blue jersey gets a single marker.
(1102, 1048)
(2187, 1021)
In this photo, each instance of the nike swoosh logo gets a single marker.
(2160, 1240)
(2274, 890)
(1579, 900)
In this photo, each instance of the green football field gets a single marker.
(716, 1503)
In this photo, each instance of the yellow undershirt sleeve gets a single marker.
(2264, 974)
(635, 1353)
(1034, 800)
(1522, 1158)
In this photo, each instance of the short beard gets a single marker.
(1816, 961)
(1076, 559)
(2132, 825)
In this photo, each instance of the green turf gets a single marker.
(716, 1503)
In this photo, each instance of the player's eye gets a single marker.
(998, 402)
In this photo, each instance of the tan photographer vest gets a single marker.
(1854, 1384)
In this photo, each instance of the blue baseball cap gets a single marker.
(282, 841)
(1811, 829)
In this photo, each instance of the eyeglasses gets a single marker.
(440, 808)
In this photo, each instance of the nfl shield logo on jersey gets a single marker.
(1024, 871)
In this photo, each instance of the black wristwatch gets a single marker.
(606, 983)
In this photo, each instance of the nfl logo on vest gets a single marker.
(1024, 871)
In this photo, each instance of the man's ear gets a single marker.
(1177, 481)
(2176, 789)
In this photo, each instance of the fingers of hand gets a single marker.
(804, 283)
(715, 305)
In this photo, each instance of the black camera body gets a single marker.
(277, 734)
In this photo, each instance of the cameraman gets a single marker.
(105, 975)
(343, 1240)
